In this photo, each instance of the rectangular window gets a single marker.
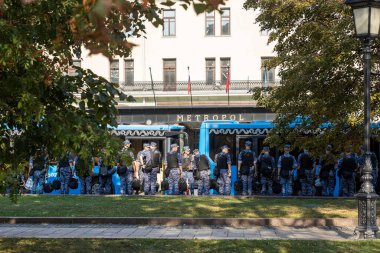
(218, 140)
(224, 67)
(72, 71)
(210, 70)
(226, 22)
(210, 23)
(169, 22)
(170, 75)
(267, 74)
(129, 72)
(114, 71)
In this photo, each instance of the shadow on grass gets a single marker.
(188, 207)
(183, 246)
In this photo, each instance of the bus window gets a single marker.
(217, 141)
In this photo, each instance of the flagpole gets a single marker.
(191, 92)
(154, 94)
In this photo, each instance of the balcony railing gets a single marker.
(196, 86)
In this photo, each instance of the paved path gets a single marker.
(178, 232)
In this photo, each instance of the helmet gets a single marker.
(318, 183)
(238, 185)
(165, 185)
(56, 184)
(136, 184)
(48, 187)
(182, 185)
(73, 183)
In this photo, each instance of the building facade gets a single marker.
(223, 54)
(208, 48)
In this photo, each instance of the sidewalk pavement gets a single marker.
(176, 232)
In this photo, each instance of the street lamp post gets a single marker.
(367, 26)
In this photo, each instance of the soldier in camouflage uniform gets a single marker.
(125, 168)
(107, 169)
(187, 168)
(173, 167)
(138, 170)
(65, 168)
(347, 166)
(38, 168)
(306, 169)
(202, 167)
(147, 167)
(156, 164)
(286, 166)
(265, 167)
(246, 163)
(83, 169)
(223, 166)
(326, 172)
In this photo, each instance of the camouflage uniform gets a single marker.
(224, 179)
(173, 161)
(287, 180)
(65, 172)
(147, 171)
(347, 166)
(127, 177)
(247, 178)
(39, 169)
(306, 164)
(203, 165)
(266, 161)
(188, 171)
(327, 167)
(157, 162)
(83, 170)
(105, 181)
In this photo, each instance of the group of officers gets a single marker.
(185, 168)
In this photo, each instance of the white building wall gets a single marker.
(245, 46)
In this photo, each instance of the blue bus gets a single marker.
(214, 134)
(163, 135)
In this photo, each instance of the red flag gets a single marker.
(189, 86)
(228, 81)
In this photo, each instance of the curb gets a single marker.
(164, 221)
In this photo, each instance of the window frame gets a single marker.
(163, 69)
(221, 21)
(206, 19)
(125, 71)
(118, 70)
(214, 69)
(222, 67)
(169, 19)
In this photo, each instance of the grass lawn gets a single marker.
(100, 206)
(183, 246)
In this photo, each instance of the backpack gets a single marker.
(156, 158)
(247, 162)
(266, 166)
(286, 166)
